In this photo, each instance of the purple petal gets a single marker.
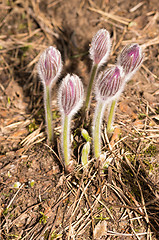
(109, 83)
(71, 94)
(100, 47)
(130, 58)
(50, 65)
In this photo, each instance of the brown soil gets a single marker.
(120, 203)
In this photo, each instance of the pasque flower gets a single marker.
(50, 66)
(49, 69)
(100, 47)
(130, 59)
(99, 52)
(108, 86)
(71, 94)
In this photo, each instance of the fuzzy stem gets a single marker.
(66, 139)
(110, 117)
(89, 89)
(97, 128)
(48, 112)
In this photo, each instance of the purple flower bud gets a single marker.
(100, 47)
(109, 83)
(130, 58)
(50, 65)
(71, 94)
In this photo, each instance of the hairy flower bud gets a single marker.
(71, 94)
(109, 83)
(85, 135)
(100, 47)
(85, 153)
(130, 58)
(50, 65)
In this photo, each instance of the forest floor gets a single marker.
(38, 199)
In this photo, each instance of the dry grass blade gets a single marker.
(73, 207)
(83, 192)
(148, 71)
(111, 233)
(144, 43)
(44, 23)
(151, 42)
(11, 201)
(32, 137)
(137, 6)
(116, 18)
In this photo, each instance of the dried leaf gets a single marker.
(19, 133)
(15, 93)
(115, 137)
(138, 23)
(150, 98)
(20, 151)
(126, 109)
(138, 124)
(3, 113)
(152, 123)
(100, 230)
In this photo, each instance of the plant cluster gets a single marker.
(108, 86)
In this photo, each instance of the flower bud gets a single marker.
(100, 47)
(109, 83)
(71, 94)
(50, 65)
(85, 135)
(130, 58)
(85, 153)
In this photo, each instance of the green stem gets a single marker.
(97, 128)
(89, 89)
(48, 112)
(110, 118)
(65, 139)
